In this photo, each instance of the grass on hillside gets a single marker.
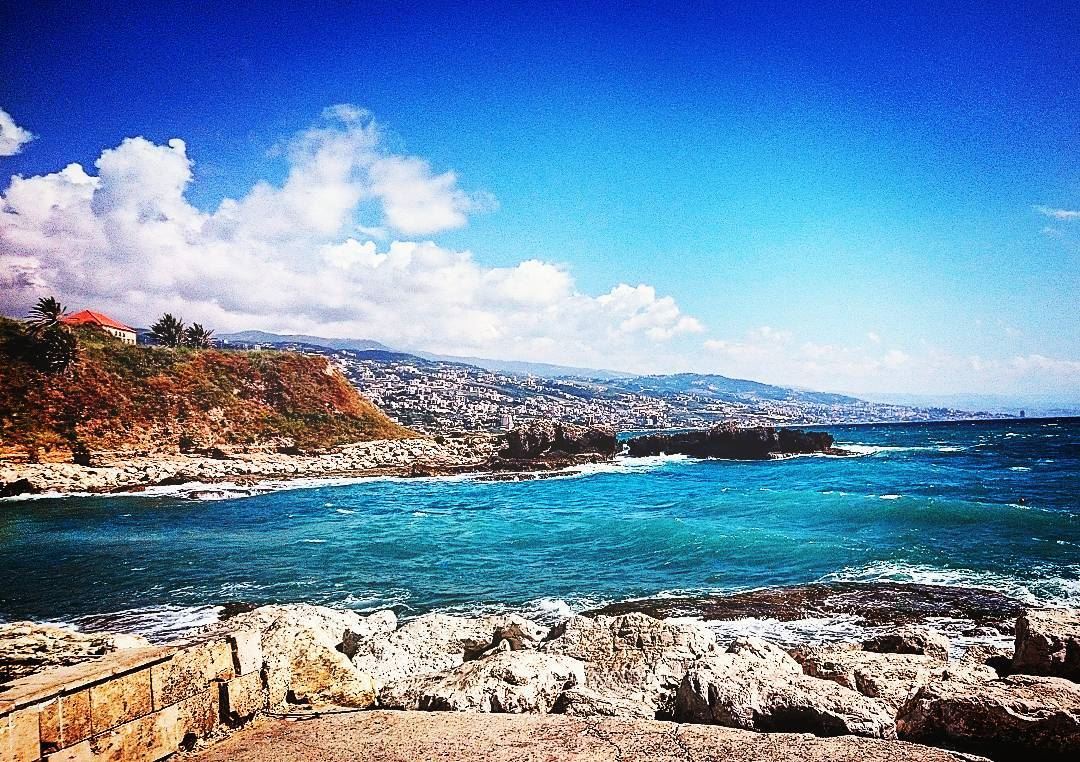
(122, 397)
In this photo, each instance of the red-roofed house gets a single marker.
(104, 322)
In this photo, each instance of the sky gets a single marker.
(861, 197)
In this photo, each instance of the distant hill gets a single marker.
(721, 388)
(726, 389)
(545, 370)
(120, 397)
(542, 369)
(262, 337)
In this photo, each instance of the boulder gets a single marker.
(1048, 643)
(740, 691)
(763, 650)
(304, 652)
(889, 677)
(539, 438)
(632, 658)
(910, 640)
(1015, 717)
(15, 487)
(996, 657)
(505, 681)
(27, 647)
(435, 643)
(581, 701)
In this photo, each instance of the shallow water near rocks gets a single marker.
(991, 504)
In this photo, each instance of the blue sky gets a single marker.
(844, 197)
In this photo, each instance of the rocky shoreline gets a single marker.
(904, 683)
(540, 448)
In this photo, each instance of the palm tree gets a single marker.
(46, 315)
(168, 331)
(198, 337)
(55, 349)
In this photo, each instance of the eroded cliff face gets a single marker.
(117, 397)
(731, 442)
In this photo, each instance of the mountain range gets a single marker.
(702, 386)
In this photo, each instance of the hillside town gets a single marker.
(441, 397)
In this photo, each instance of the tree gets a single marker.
(46, 315)
(168, 331)
(198, 337)
(54, 349)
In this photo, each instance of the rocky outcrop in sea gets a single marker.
(734, 443)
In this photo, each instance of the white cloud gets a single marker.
(323, 252)
(12, 136)
(1062, 215)
(294, 256)
(778, 357)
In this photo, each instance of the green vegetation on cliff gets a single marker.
(120, 397)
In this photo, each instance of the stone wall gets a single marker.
(134, 704)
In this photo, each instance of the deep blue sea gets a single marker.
(988, 504)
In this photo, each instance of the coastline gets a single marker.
(136, 473)
(541, 450)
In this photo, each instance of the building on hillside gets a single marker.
(104, 322)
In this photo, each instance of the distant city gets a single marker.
(439, 396)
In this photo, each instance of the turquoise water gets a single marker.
(991, 504)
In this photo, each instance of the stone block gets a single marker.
(120, 700)
(49, 724)
(24, 741)
(75, 723)
(80, 752)
(190, 671)
(247, 651)
(199, 714)
(242, 697)
(145, 739)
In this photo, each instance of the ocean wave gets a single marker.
(158, 624)
(1037, 590)
(545, 610)
(867, 449)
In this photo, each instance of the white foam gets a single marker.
(1037, 590)
(865, 449)
(809, 630)
(889, 497)
(156, 623)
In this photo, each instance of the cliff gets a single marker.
(151, 399)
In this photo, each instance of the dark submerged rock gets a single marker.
(876, 603)
(18, 487)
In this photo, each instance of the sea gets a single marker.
(993, 504)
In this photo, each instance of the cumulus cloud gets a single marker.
(778, 356)
(12, 136)
(304, 255)
(1062, 215)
